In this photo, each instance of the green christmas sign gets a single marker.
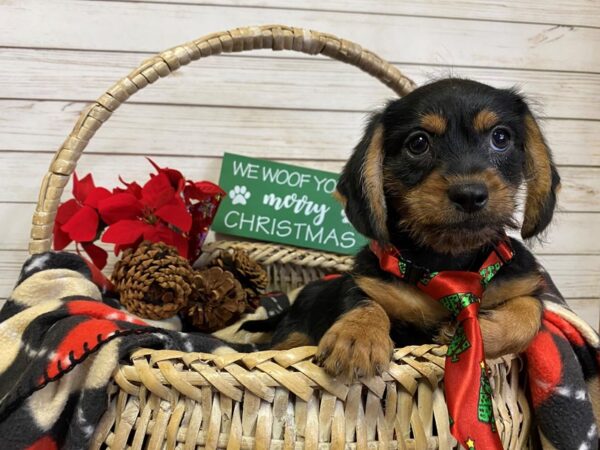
(282, 203)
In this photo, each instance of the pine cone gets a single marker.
(252, 276)
(217, 301)
(153, 280)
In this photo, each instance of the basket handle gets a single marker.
(275, 37)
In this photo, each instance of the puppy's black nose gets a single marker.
(468, 197)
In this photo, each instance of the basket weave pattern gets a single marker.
(287, 267)
(272, 399)
(278, 400)
(281, 399)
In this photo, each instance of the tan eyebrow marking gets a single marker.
(434, 123)
(484, 120)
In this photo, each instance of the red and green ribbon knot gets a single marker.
(466, 383)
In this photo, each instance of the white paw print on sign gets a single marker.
(344, 217)
(239, 195)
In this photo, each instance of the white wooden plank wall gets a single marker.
(57, 55)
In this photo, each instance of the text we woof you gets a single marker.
(267, 193)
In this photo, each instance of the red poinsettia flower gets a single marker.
(132, 188)
(201, 190)
(158, 214)
(168, 208)
(77, 219)
(98, 255)
(175, 177)
(208, 196)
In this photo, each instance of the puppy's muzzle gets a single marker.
(468, 197)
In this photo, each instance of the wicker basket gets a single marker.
(272, 399)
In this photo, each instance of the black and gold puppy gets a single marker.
(436, 175)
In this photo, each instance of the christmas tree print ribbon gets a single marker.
(466, 383)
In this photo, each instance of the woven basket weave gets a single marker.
(271, 399)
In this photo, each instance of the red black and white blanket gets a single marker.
(563, 377)
(61, 339)
(59, 344)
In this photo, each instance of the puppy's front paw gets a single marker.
(353, 348)
(511, 327)
(350, 355)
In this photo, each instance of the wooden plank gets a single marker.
(15, 167)
(565, 12)
(269, 82)
(573, 283)
(580, 189)
(43, 126)
(115, 26)
(29, 125)
(561, 135)
(580, 192)
(571, 233)
(574, 275)
(15, 233)
(588, 309)
(10, 266)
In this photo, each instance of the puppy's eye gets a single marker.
(418, 144)
(500, 139)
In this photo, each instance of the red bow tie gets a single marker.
(466, 384)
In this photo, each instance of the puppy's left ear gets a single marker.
(543, 181)
(360, 187)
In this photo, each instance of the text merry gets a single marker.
(298, 205)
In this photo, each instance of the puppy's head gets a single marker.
(445, 164)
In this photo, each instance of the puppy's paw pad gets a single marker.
(350, 355)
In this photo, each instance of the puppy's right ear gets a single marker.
(543, 180)
(360, 187)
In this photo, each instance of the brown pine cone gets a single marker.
(218, 300)
(153, 280)
(252, 276)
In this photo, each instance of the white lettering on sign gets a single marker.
(285, 177)
(236, 220)
(283, 203)
(298, 205)
(245, 170)
(326, 184)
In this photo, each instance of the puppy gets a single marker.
(436, 176)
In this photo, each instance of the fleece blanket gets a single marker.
(61, 338)
(60, 341)
(563, 370)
